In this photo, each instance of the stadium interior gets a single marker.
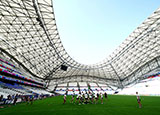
(34, 61)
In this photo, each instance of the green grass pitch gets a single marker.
(115, 105)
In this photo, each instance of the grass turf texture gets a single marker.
(115, 105)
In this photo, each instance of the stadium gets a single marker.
(38, 76)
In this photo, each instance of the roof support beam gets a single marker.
(119, 79)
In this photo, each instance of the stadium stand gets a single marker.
(13, 84)
(33, 59)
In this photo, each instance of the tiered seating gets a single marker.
(4, 94)
(8, 91)
(93, 87)
(146, 87)
(13, 89)
(73, 87)
(39, 91)
(83, 86)
(153, 75)
(34, 83)
(7, 62)
(15, 81)
(9, 69)
(61, 89)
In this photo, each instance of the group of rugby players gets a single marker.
(91, 97)
(87, 97)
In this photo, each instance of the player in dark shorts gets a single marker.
(78, 98)
(92, 97)
(81, 98)
(27, 99)
(15, 99)
(138, 100)
(105, 95)
(97, 96)
(32, 99)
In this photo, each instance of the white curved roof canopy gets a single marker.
(29, 35)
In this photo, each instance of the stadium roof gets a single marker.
(29, 36)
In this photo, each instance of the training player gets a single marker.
(105, 95)
(95, 98)
(64, 98)
(101, 97)
(72, 97)
(90, 96)
(32, 99)
(86, 97)
(138, 100)
(81, 98)
(78, 98)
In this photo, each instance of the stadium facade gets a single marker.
(29, 39)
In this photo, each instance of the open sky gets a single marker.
(91, 30)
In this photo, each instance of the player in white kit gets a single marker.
(86, 97)
(64, 99)
(101, 98)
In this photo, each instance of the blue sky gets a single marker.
(91, 30)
